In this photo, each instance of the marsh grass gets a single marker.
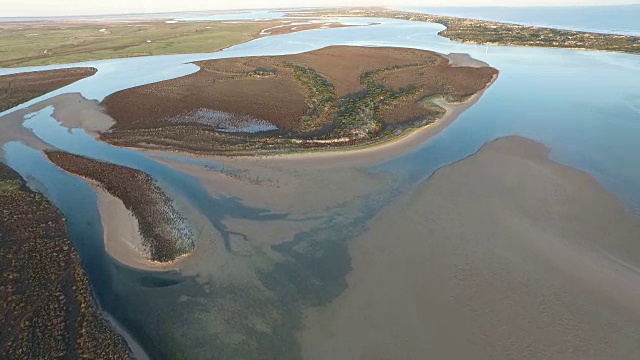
(58, 43)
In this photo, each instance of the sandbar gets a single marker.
(504, 254)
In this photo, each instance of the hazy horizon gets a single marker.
(37, 8)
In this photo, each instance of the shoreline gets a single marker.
(408, 80)
(45, 284)
(121, 233)
(454, 25)
(136, 348)
(377, 151)
(155, 229)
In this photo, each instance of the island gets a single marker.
(335, 97)
(161, 233)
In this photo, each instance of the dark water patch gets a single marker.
(314, 272)
(158, 282)
(215, 209)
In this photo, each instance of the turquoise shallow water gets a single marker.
(585, 106)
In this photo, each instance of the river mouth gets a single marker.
(285, 226)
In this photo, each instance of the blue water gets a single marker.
(623, 19)
(585, 106)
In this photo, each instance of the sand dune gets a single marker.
(503, 255)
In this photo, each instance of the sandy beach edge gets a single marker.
(122, 237)
(369, 153)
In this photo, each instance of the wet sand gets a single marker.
(165, 234)
(463, 59)
(71, 110)
(505, 254)
(122, 237)
(287, 27)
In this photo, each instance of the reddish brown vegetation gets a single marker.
(331, 94)
(160, 224)
(219, 85)
(19, 88)
(46, 311)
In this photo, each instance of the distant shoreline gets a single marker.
(496, 33)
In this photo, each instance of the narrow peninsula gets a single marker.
(496, 33)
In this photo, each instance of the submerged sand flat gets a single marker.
(505, 254)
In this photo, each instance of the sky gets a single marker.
(15, 8)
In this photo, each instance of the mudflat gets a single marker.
(333, 97)
(505, 254)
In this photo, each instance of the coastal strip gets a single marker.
(47, 308)
(496, 33)
(141, 216)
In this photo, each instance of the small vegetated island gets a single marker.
(165, 234)
(335, 97)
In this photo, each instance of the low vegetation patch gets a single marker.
(19, 88)
(497, 33)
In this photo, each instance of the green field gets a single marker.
(28, 44)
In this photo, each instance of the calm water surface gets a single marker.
(585, 106)
(623, 19)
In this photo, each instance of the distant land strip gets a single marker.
(497, 33)
(40, 43)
